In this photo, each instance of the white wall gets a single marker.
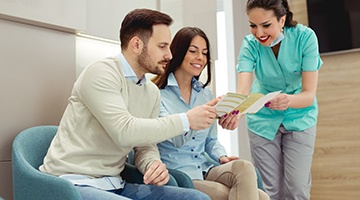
(236, 27)
(199, 13)
(66, 15)
(104, 17)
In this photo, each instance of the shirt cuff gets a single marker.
(185, 122)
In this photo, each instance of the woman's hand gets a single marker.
(230, 121)
(280, 102)
(225, 159)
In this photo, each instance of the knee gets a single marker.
(243, 165)
(244, 168)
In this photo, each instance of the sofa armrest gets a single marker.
(132, 175)
(182, 179)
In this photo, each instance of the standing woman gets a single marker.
(181, 90)
(283, 55)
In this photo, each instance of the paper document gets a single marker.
(244, 103)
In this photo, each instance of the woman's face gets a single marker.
(196, 57)
(264, 25)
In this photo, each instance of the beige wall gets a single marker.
(335, 168)
(37, 73)
(336, 163)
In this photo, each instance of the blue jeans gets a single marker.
(142, 191)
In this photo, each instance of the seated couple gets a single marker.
(113, 109)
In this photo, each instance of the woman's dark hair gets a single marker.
(280, 8)
(179, 47)
(140, 22)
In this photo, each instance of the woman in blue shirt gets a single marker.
(180, 91)
(283, 55)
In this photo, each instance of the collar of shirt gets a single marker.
(129, 72)
(196, 85)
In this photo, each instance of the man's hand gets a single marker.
(214, 101)
(156, 174)
(201, 117)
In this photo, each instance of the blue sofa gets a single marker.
(28, 151)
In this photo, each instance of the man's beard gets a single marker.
(144, 61)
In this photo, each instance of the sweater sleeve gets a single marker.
(100, 90)
(146, 155)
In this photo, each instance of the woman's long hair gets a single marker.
(179, 47)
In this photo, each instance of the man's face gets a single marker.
(156, 54)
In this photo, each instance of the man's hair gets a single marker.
(140, 22)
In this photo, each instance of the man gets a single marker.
(113, 108)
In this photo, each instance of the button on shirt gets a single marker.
(187, 152)
(298, 53)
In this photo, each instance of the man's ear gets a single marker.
(136, 45)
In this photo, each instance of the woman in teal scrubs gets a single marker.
(283, 55)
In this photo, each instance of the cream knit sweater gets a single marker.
(105, 118)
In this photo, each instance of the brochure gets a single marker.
(244, 103)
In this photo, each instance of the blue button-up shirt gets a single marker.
(129, 72)
(187, 152)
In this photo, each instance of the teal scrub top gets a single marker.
(298, 52)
